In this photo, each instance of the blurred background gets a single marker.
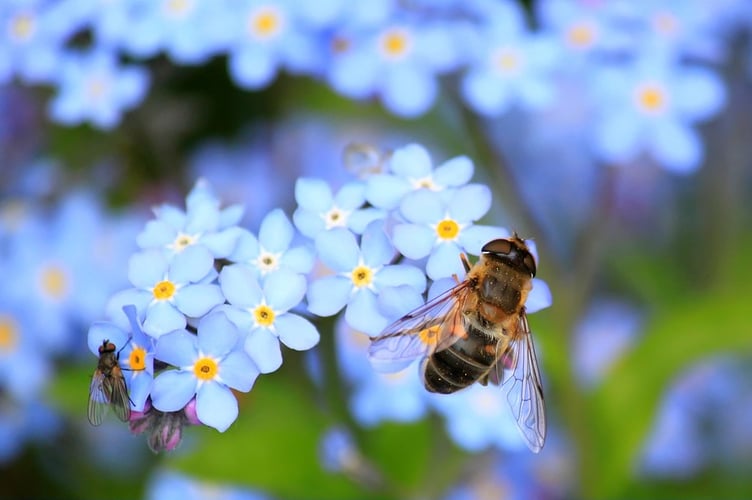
(615, 134)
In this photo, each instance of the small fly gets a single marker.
(108, 386)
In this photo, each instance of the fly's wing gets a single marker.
(522, 382)
(118, 392)
(432, 327)
(98, 398)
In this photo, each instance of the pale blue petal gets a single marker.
(314, 195)
(240, 286)
(386, 191)
(618, 138)
(156, 234)
(338, 249)
(376, 248)
(401, 274)
(299, 259)
(284, 289)
(676, 146)
(422, 207)
(172, 215)
(362, 314)
(328, 295)
(308, 223)
(161, 318)
(202, 218)
(539, 297)
(197, 300)
(351, 196)
(409, 91)
(177, 349)
(445, 261)
(232, 215)
(263, 348)
(413, 241)
(296, 332)
(223, 243)
(139, 389)
(147, 268)
(485, 93)
(216, 406)
(242, 318)
(276, 232)
(360, 219)
(139, 298)
(238, 371)
(252, 68)
(455, 172)
(101, 331)
(411, 162)
(217, 335)
(247, 247)
(172, 389)
(396, 301)
(191, 264)
(470, 203)
(472, 238)
(698, 94)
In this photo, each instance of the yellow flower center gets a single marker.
(137, 359)
(362, 276)
(265, 22)
(8, 333)
(182, 241)
(395, 43)
(581, 35)
(164, 290)
(178, 8)
(652, 98)
(429, 335)
(507, 61)
(425, 183)
(264, 315)
(22, 27)
(54, 281)
(336, 217)
(267, 262)
(340, 44)
(447, 229)
(205, 369)
(665, 23)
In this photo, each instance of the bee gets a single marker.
(475, 332)
(108, 387)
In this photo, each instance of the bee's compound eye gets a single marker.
(500, 246)
(529, 262)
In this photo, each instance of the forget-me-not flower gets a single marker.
(271, 251)
(263, 313)
(208, 365)
(410, 169)
(441, 229)
(319, 209)
(361, 273)
(168, 291)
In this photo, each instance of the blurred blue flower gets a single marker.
(168, 291)
(22, 422)
(361, 273)
(263, 313)
(399, 61)
(479, 417)
(188, 31)
(509, 65)
(33, 37)
(442, 228)
(268, 35)
(651, 106)
(25, 366)
(319, 209)
(411, 169)
(271, 251)
(207, 365)
(94, 87)
(202, 224)
(168, 485)
(135, 352)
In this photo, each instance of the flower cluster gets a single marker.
(212, 303)
(648, 99)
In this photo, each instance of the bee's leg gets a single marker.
(465, 262)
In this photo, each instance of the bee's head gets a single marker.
(513, 251)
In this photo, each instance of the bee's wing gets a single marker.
(432, 327)
(522, 382)
(118, 391)
(98, 398)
